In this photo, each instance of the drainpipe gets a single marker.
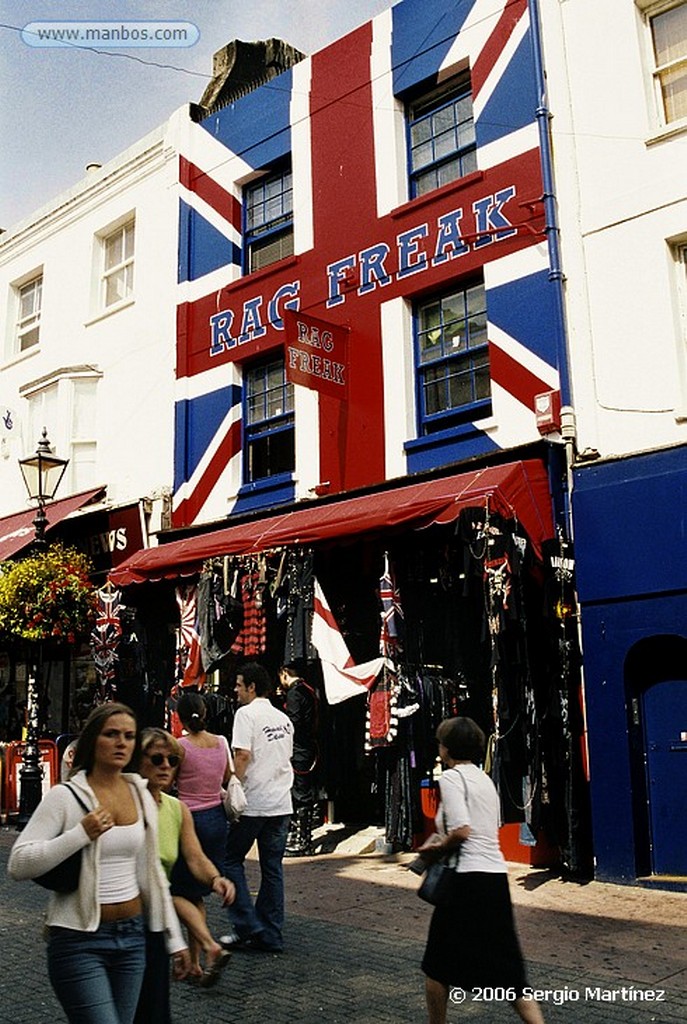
(556, 276)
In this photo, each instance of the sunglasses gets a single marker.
(158, 759)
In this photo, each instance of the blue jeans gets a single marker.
(97, 975)
(263, 920)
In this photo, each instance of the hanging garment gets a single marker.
(105, 638)
(298, 588)
(251, 640)
(220, 613)
(381, 720)
(189, 663)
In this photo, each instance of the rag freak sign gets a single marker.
(317, 350)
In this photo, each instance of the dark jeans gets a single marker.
(265, 918)
(154, 1001)
(97, 975)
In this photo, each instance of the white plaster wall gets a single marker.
(621, 188)
(131, 348)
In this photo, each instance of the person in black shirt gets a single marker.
(301, 706)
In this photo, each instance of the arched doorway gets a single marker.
(656, 678)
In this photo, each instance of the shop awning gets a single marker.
(16, 531)
(518, 489)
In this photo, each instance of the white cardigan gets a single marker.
(55, 831)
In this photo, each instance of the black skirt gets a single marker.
(474, 944)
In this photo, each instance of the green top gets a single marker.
(169, 831)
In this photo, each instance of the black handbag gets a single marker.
(64, 877)
(440, 885)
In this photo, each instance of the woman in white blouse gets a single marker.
(472, 942)
(96, 945)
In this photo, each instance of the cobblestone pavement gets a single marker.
(355, 934)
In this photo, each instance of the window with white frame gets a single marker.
(29, 304)
(66, 406)
(268, 417)
(268, 219)
(117, 280)
(452, 358)
(667, 23)
(441, 129)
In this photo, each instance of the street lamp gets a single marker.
(42, 473)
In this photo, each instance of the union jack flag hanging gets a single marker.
(189, 662)
(391, 636)
(105, 637)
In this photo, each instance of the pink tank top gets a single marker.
(200, 775)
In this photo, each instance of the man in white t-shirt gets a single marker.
(262, 739)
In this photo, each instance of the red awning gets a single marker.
(17, 531)
(518, 489)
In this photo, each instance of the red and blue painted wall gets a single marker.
(365, 251)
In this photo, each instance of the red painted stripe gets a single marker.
(491, 51)
(345, 217)
(515, 378)
(189, 508)
(202, 185)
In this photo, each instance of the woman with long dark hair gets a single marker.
(96, 944)
(200, 777)
(472, 941)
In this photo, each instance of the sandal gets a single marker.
(210, 975)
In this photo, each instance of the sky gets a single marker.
(65, 107)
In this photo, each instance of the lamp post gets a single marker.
(42, 473)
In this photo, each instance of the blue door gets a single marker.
(665, 737)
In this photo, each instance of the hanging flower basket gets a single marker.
(47, 596)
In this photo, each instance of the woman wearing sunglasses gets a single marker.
(161, 755)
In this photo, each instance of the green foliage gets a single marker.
(48, 595)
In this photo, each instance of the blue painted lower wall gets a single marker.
(630, 518)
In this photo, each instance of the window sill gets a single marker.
(19, 357)
(666, 132)
(438, 193)
(117, 307)
(265, 272)
(270, 483)
(439, 437)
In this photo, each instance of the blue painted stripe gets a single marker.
(256, 127)
(423, 34)
(438, 452)
(511, 305)
(513, 102)
(202, 248)
(196, 422)
(265, 494)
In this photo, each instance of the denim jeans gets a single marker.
(154, 1000)
(97, 975)
(264, 919)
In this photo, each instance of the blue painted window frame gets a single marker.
(442, 145)
(452, 370)
(268, 420)
(268, 217)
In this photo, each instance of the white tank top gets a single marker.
(119, 848)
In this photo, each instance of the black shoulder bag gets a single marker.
(439, 885)
(64, 877)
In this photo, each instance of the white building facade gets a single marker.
(617, 78)
(88, 328)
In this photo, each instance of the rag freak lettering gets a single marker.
(413, 252)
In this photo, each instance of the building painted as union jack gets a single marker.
(390, 185)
